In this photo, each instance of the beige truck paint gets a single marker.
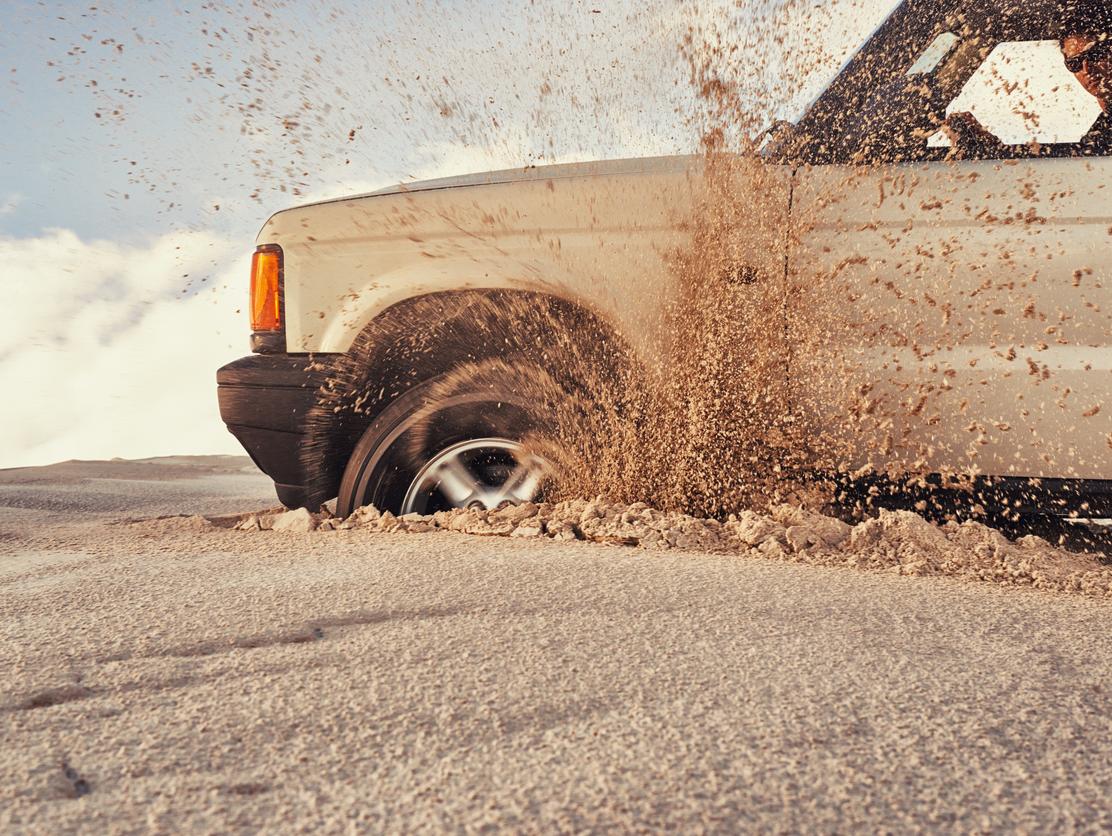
(975, 298)
(599, 234)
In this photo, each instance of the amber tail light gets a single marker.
(266, 288)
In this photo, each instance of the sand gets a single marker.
(180, 674)
(892, 541)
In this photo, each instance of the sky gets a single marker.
(147, 142)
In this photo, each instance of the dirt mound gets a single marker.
(895, 541)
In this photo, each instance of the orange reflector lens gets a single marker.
(266, 289)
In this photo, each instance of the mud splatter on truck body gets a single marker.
(854, 300)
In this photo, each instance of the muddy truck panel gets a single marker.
(600, 235)
(971, 305)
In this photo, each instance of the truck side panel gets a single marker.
(967, 310)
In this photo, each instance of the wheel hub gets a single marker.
(486, 473)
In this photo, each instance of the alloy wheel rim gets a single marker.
(487, 473)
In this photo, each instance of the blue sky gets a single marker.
(146, 142)
(133, 117)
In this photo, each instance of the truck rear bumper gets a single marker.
(264, 402)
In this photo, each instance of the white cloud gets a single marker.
(102, 354)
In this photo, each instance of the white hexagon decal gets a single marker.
(1023, 93)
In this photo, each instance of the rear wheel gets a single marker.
(427, 453)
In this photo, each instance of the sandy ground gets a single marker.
(173, 675)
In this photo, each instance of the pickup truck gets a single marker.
(972, 284)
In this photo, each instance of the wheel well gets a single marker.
(425, 336)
